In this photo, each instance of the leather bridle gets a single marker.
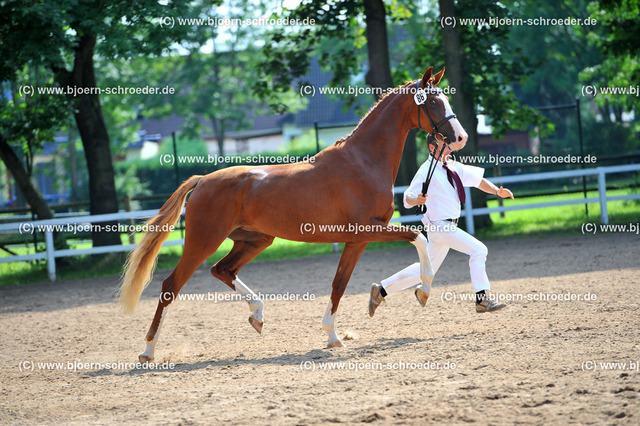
(421, 99)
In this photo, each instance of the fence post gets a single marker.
(497, 171)
(315, 127)
(127, 207)
(468, 212)
(51, 259)
(602, 191)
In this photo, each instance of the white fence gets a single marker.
(602, 198)
(50, 254)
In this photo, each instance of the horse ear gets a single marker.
(438, 76)
(426, 76)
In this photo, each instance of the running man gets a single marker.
(443, 200)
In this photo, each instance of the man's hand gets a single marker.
(490, 188)
(504, 193)
(417, 200)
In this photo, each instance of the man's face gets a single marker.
(435, 149)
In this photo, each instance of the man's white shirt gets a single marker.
(442, 197)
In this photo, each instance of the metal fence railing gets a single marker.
(51, 253)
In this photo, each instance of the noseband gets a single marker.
(421, 99)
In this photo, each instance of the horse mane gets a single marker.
(378, 103)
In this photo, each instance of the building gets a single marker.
(269, 132)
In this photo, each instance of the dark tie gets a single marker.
(452, 176)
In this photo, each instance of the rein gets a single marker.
(422, 209)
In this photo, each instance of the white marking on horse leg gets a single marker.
(328, 325)
(255, 304)
(426, 271)
(149, 351)
(147, 355)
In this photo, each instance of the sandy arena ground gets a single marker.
(536, 362)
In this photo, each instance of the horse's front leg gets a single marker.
(426, 270)
(350, 255)
(392, 232)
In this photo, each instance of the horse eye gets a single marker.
(432, 102)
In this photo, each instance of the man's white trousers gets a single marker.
(444, 235)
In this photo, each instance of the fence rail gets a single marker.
(469, 212)
(50, 254)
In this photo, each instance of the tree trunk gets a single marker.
(410, 159)
(463, 104)
(73, 165)
(26, 186)
(379, 75)
(95, 139)
(219, 131)
(462, 101)
(218, 128)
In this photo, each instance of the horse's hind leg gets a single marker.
(192, 257)
(348, 260)
(247, 245)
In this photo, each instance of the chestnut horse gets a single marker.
(350, 182)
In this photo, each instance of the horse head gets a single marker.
(434, 111)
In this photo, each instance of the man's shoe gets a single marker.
(375, 298)
(421, 296)
(489, 305)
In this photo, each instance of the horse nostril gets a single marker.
(462, 138)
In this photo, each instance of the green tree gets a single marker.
(620, 67)
(479, 64)
(26, 122)
(342, 30)
(215, 78)
(65, 37)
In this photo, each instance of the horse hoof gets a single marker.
(336, 344)
(256, 324)
(422, 297)
(145, 358)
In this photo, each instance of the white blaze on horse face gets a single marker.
(461, 135)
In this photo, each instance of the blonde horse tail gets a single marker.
(138, 269)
